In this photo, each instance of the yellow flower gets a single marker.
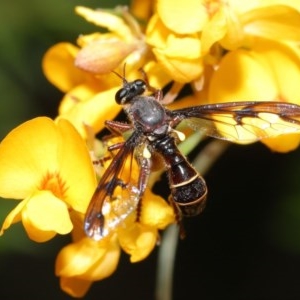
(46, 165)
(139, 238)
(269, 71)
(187, 35)
(179, 56)
(40, 162)
(226, 50)
(84, 261)
(103, 52)
(240, 51)
(84, 72)
(86, 100)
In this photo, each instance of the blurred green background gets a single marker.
(246, 245)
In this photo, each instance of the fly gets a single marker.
(154, 134)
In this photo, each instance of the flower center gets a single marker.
(212, 6)
(54, 183)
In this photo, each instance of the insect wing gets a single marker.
(243, 122)
(114, 200)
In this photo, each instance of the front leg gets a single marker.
(117, 128)
(157, 94)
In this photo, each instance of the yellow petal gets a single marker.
(39, 236)
(278, 22)
(244, 6)
(284, 61)
(269, 72)
(45, 212)
(107, 264)
(157, 78)
(141, 9)
(58, 66)
(188, 47)
(75, 287)
(138, 241)
(235, 36)
(80, 93)
(155, 211)
(27, 153)
(106, 20)
(88, 260)
(249, 79)
(94, 112)
(73, 156)
(157, 33)
(180, 69)
(103, 56)
(14, 216)
(180, 56)
(76, 258)
(182, 16)
(283, 143)
(40, 154)
(214, 30)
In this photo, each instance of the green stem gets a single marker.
(166, 262)
(208, 156)
(167, 250)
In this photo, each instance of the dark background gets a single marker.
(246, 244)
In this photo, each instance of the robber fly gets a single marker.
(154, 135)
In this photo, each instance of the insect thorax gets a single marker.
(148, 116)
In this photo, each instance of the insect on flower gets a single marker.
(154, 135)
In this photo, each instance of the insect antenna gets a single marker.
(123, 77)
(156, 92)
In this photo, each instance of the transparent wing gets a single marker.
(116, 196)
(242, 122)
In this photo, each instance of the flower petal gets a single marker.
(88, 260)
(94, 112)
(249, 79)
(58, 66)
(106, 20)
(27, 153)
(48, 213)
(283, 143)
(103, 56)
(261, 74)
(40, 154)
(277, 22)
(155, 211)
(214, 30)
(175, 14)
(138, 240)
(284, 61)
(14, 216)
(80, 93)
(75, 167)
(75, 287)
(76, 258)
(180, 69)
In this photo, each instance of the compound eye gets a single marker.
(140, 85)
(121, 96)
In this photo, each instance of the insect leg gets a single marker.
(157, 94)
(145, 167)
(178, 216)
(117, 128)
